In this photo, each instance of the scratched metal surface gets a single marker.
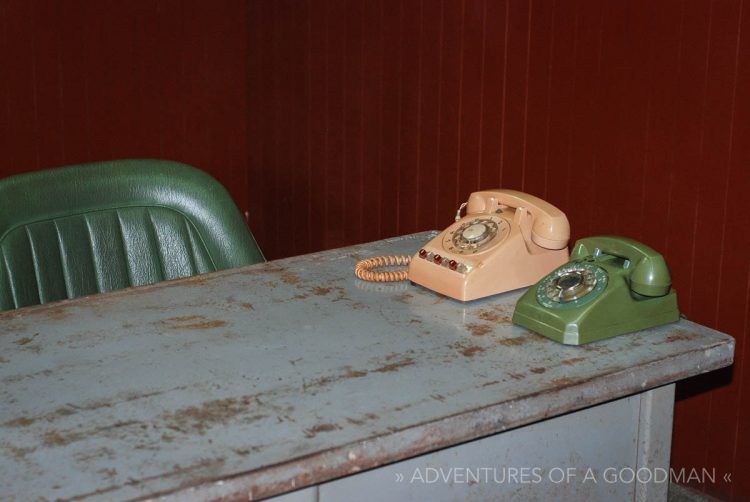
(256, 381)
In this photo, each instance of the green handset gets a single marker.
(611, 285)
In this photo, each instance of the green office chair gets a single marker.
(91, 228)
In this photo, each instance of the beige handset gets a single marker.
(507, 240)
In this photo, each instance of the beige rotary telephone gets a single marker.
(507, 240)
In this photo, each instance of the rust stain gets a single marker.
(247, 306)
(510, 342)
(538, 371)
(178, 471)
(216, 412)
(98, 453)
(54, 438)
(313, 431)
(18, 452)
(193, 322)
(572, 361)
(492, 382)
(494, 316)
(348, 373)
(477, 329)
(563, 381)
(321, 291)
(20, 422)
(95, 405)
(472, 350)
(404, 298)
(195, 282)
(18, 378)
(363, 419)
(57, 313)
(24, 341)
(243, 452)
(33, 348)
(266, 268)
(395, 366)
(108, 473)
(517, 376)
(680, 335)
(62, 438)
(289, 278)
(301, 296)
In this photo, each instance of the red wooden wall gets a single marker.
(335, 122)
(88, 80)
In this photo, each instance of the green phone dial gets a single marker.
(610, 286)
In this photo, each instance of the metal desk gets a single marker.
(267, 379)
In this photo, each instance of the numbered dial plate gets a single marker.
(572, 285)
(475, 235)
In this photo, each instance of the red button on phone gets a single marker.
(437, 259)
(452, 264)
(422, 253)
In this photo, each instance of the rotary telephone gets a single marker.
(507, 240)
(612, 285)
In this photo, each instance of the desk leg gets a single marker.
(655, 439)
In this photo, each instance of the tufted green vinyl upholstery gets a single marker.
(91, 228)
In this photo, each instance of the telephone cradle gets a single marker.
(612, 285)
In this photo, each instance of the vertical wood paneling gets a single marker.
(494, 68)
(689, 152)
(353, 123)
(391, 59)
(431, 29)
(86, 81)
(336, 122)
(446, 170)
(372, 158)
(539, 94)
(470, 96)
(733, 312)
(516, 97)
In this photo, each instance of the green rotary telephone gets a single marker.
(610, 286)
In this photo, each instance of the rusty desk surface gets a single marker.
(257, 381)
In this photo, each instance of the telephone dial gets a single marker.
(507, 240)
(612, 285)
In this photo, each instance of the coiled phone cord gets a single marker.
(363, 268)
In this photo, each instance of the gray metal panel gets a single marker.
(273, 377)
(573, 457)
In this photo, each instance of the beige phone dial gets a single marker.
(507, 240)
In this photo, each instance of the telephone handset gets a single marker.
(507, 240)
(612, 285)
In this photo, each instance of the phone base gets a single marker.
(497, 274)
(581, 326)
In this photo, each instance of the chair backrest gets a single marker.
(90, 228)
